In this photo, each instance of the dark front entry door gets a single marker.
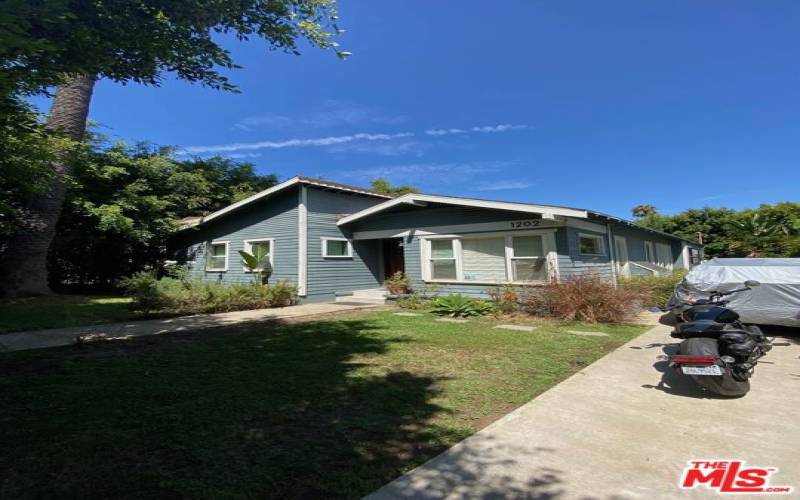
(393, 258)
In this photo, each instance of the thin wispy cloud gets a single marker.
(330, 114)
(293, 143)
(503, 185)
(485, 129)
(239, 156)
(426, 174)
(387, 148)
(360, 139)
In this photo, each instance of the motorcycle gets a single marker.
(718, 351)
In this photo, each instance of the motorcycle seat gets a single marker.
(700, 328)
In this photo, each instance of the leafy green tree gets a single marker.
(643, 210)
(124, 203)
(768, 231)
(25, 151)
(72, 43)
(385, 187)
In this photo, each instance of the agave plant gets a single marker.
(257, 263)
(460, 306)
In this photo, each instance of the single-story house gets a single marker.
(333, 239)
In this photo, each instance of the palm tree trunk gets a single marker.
(24, 270)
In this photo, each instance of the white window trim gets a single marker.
(247, 246)
(548, 247)
(597, 237)
(456, 247)
(227, 256)
(325, 255)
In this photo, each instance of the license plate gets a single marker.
(701, 370)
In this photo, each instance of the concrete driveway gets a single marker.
(623, 428)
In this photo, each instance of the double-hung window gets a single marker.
(217, 256)
(261, 249)
(490, 258)
(664, 255)
(443, 260)
(528, 259)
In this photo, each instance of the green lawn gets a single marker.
(59, 311)
(324, 409)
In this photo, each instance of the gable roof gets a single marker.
(421, 199)
(309, 181)
(416, 199)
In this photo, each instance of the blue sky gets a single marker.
(603, 105)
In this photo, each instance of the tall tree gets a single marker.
(72, 43)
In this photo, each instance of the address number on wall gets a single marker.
(522, 224)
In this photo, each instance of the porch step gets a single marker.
(371, 296)
(349, 299)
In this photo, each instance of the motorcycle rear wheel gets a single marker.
(725, 384)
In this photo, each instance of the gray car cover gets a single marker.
(775, 302)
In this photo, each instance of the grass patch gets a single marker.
(326, 409)
(61, 311)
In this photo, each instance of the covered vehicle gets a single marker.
(775, 302)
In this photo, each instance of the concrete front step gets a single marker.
(350, 300)
(370, 296)
(373, 293)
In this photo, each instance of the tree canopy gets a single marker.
(766, 231)
(41, 41)
(385, 187)
(125, 201)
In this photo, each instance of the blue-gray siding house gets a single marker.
(332, 239)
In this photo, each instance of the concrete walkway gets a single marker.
(623, 428)
(38, 339)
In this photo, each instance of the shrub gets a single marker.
(583, 298)
(173, 296)
(397, 283)
(143, 287)
(461, 306)
(281, 294)
(656, 290)
(415, 302)
(505, 298)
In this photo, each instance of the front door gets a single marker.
(621, 252)
(393, 257)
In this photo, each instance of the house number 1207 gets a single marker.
(519, 224)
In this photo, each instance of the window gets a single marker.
(590, 244)
(443, 260)
(217, 257)
(337, 248)
(259, 248)
(489, 258)
(649, 255)
(528, 261)
(694, 257)
(484, 259)
(664, 255)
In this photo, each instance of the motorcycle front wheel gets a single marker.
(725, 384)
